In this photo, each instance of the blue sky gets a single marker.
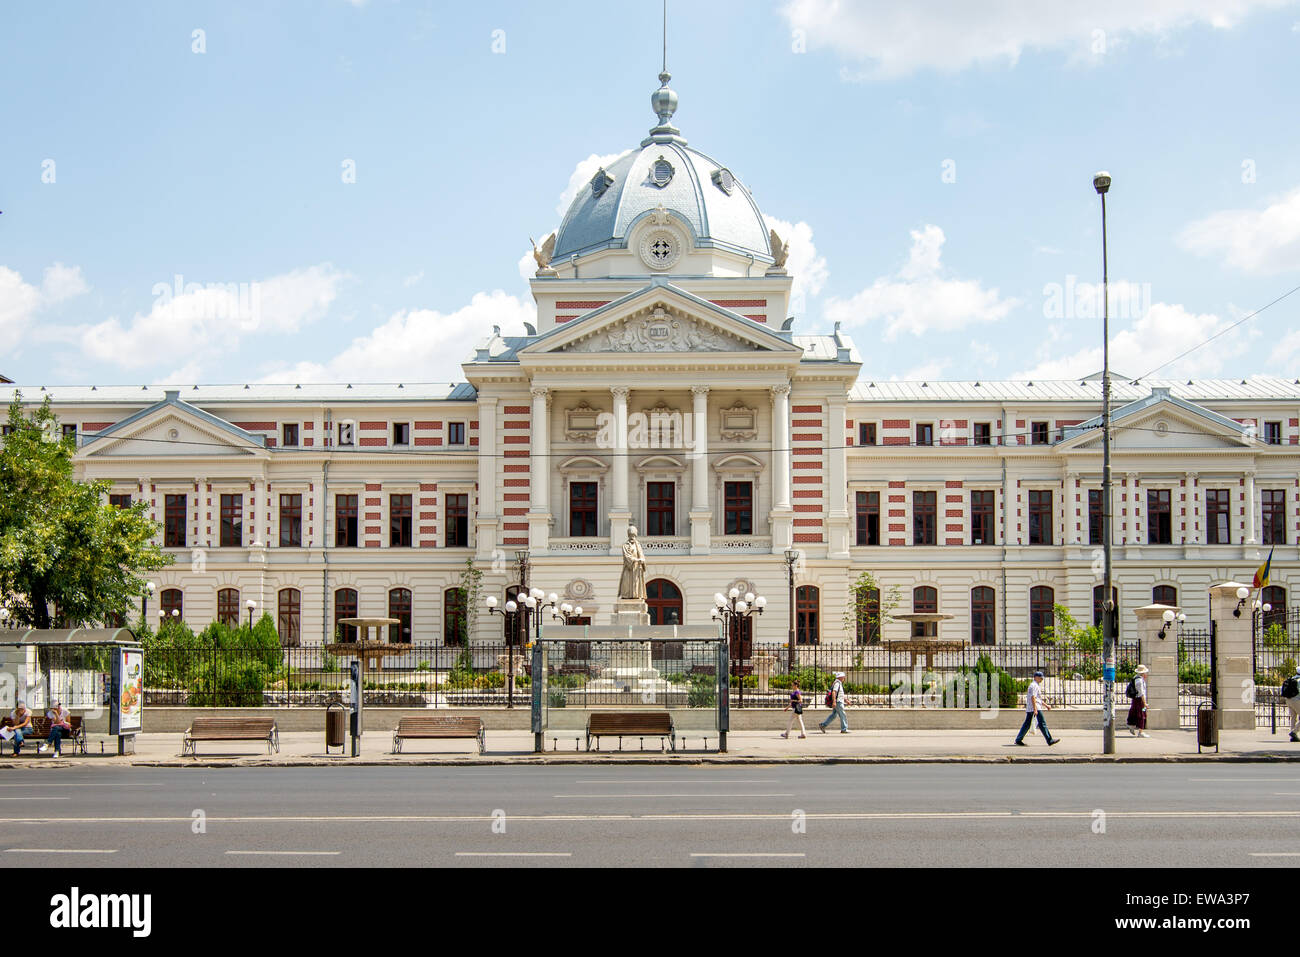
(931, 160)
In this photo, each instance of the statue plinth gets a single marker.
(631, 611)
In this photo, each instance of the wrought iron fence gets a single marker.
(1276, 652)
(1193, 674)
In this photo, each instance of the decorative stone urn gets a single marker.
(763, 667)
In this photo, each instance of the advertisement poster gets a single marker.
(131, 700)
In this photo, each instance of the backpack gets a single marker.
(1291, 688)
(830, 697)
(1131, 690)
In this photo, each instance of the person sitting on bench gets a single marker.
(20, 723)
(60, 727)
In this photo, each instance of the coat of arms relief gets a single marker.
(659, 332)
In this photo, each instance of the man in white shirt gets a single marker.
(840, 700)
(1293, 702)
(1035, 704)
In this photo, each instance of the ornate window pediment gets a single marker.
(739, 422)
(581, 423)
(583, 466)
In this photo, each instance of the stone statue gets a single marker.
(631, 584)
(543, 255)
(780, 250)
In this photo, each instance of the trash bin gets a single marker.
(1207, 728)
(335, 726)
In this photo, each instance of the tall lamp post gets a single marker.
(250, 605)
(533, 604)
(791, 558)
(1101, 183)
(731, 610)
(144, 600)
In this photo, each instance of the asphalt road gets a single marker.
(1177, 815)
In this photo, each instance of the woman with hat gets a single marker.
(1137, 711)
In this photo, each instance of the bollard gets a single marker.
(642, 740)
(1273, 707)
(576, 742)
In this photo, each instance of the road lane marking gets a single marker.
(289, 853)
(768, 854)
(36, 797)
(514, 853)
(656, 779)
(59, 850)
(740, 795)
(1245, 780)
(1275, 854)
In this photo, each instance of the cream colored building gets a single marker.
(664, 387)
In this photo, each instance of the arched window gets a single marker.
(289, 618)
(228, 606)
(453, 616)
(172, 599)
(1274, 595)
(345, 606)
(399, 607)
(925, 600)
(982, 606)
(664, 601)
(1041, 602)
(868, 616)
(513, 625)
(1164, 595)
(807, 615)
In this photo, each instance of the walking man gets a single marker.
(1291, 695)
(1035, 704)
(837, 700)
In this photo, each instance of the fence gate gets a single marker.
(1193, 674)
(1276, 650)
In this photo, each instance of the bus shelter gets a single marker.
(578, 670)
(97, 673)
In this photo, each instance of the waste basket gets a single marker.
(335, 726)
(1207, 728)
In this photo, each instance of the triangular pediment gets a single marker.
(172, 428)
(661, 318)
(1160, 422)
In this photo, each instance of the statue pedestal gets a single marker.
(631, 611)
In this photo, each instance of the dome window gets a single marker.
(723, 179)
(600, 182)
(661, 174)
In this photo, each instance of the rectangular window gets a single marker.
(582, 509)
(232, 521)
(1272, 433)
(1160, 526)
(347, 433)
(401, 433)
(983, 433)
(1040, 517)
(399, 521)
(1038, 433)
(289, 435)
(458, 521)
(660, 498)
(345, 521)
(981, 518)
(1218, 502)
(1273, 516)
(866, 433)
(455, 433)
(868, 516)
(925, 510)
(120, 501)
(70, 431)
(1094, 516)
(290, 521)
(174, 521)
(738, 508)
(925, 433)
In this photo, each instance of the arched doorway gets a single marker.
(664, 601)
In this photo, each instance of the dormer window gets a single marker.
(661, 174)
(723, 179)
(600, 182)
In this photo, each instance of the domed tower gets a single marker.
(663, 212)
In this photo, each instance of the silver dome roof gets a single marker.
(664, 172)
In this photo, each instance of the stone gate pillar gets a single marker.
(1160, 654)
(1234, 644)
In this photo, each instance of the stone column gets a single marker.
(1161, 656)
(1008, 511)
(1250, 510)
(485, 518)
(260, 515)
(539, 488)
(1193, 515)
(837, 512)
(700, 514)
(1137, 534)
(619, 514)
(1234, 646)
(781, 519)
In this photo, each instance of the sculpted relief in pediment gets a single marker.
(659, 332)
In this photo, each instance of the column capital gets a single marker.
(539, 392)
(488, 401)
(699, 390)
(619, 391)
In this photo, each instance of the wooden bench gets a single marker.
(643, 724)
(439, 726)
(230, 729)
(40, 730)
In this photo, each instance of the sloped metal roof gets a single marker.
(1260, 387)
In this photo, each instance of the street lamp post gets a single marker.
(791, 557)
(144, 601)
(531, 607)
(1101, 183)
(250, 605)
(731, 610)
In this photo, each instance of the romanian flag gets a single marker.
(1261, 573)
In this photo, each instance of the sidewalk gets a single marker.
(301, 748)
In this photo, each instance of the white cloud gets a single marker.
(1254, 241)
(412, 279)
(900, 38)
(416, 345)
(928, 371)
(1166, 330)
(189, 317)
(62, 282)
(918, 299)
(806, 268)
(580, 177)
(20, 301)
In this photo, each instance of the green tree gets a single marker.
(1068, 633)
(471, 590)
(61, 543)
(864, 616)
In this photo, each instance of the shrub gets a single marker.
(702, 695)
(422, 666)
(237, 684)
(1197, 673)
(329, 663)
(557, 699)
(1275, 636)
(810, 679)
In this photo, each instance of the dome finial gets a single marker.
(664, 101)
